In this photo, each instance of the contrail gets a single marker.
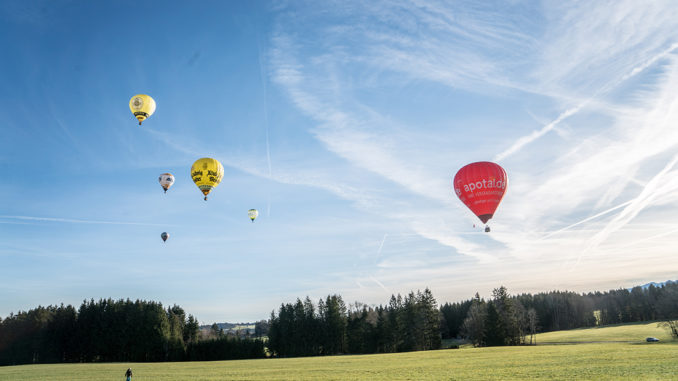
(525, 140)
(645, 197)
(375, 280)
(15, 223)
(268, 157)
(649, 62)
(652, 237)
(69, 220)
(380, 247)
(268, 146)
(586, 219)
(636, 205)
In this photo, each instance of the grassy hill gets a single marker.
(633, 332)
(619, 352)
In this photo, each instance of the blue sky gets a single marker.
(343, 123)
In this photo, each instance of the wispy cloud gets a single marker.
(587, 219)
(525, 140)
(72, 221)
(375, 280)
(658, 185)
(568, 189)
(588, 45)
(365, 140)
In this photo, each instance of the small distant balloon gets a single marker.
(166, 180)
(164, 236)
(207, 174)
(252, 214)
(142, 106)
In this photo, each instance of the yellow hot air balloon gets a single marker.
(252, 214)
(206, 174)
(142, 106)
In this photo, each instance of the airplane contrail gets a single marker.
(645, 198)
(525, 140)
(664, 234)
(268, 145)
(380, 247)
(375, 280)
(586, 219)
(76, 221)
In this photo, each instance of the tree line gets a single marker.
(407, 323)
(415, 323)
(526, 314)
(121, 330)
(113, 330)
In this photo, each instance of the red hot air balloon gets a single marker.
(481, 186)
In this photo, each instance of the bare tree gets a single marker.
(671, 325)
(532, 321)
(474, 324)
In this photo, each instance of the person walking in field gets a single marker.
(128, 374)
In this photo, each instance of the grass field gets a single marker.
(634, 332)
(624, 356)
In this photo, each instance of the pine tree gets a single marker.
(191, 330)
(495, 332)
(394, 339)
(432, 338)
(334, 325)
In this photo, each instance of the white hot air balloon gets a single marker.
(166, 180)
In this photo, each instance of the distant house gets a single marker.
(241, 329)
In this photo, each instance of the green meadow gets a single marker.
(633, 332)
(609, 353)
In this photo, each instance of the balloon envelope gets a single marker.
(142, 106)
(207, 174)
(481, 186)
(164, 236)
(166, 180)
(252, 214)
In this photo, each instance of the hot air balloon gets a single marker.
(142, 106)
(207, 174)
(166, 180)
(164, 236)
(252, 214)
(481, 186)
